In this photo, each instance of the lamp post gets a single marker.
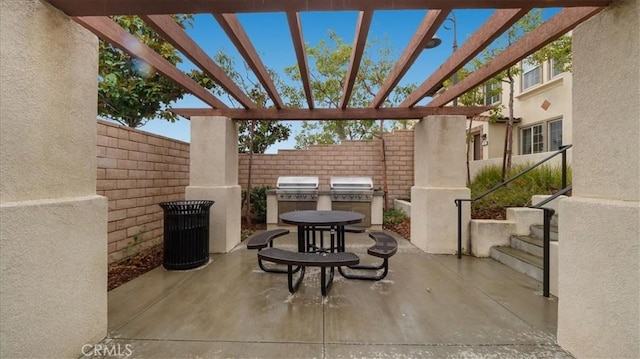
(454, 78)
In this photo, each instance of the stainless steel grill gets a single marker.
(296, 193)
(351, 189)
(352, 194)
(297, 189)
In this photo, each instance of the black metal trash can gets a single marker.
(186, 234)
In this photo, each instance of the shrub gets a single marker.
(393, 217)
(259, 202)
(541, 180)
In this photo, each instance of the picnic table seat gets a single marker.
(305, 259)
(384, 247)
(263, 240)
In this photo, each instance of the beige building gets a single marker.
(542, 108)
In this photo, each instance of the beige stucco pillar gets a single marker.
(440, 178)
(214, 176)
(53, 227)
(599, 226)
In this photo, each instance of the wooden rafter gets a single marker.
(498, 23)
(173, 33)
(111, 32)
(156, 7)
(432, 20)
(298, 44)
(233, 28)
(528, 44)
(417, 112)
(362, 30)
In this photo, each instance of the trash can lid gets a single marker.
(190, 205)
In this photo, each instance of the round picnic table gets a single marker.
(311, 222)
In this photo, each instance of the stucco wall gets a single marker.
(599, 237)
(53, 253)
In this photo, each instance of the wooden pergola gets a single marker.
(93, 15)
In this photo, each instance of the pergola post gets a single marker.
(214, 176)
(440, 178)
(599, 237)
(53, 226)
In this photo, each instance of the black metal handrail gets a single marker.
(546, 240)
(562, 151)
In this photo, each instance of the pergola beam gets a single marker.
(331, 113)
(158, 7)
(109, 31)
(425, 32)
(498, 23)
(547, 32)
(166, 27)
(298, 44)
(362, 30)
(234, 30)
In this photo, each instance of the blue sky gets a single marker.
(270, 36)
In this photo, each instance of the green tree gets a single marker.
(330, 62)
(254, 134)
(130, 91)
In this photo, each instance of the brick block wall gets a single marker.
(351, 158)
(136, 172)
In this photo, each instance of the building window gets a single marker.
(532, 140)
(555, 135)
(492, 93)
(531, 74)
(555, 68)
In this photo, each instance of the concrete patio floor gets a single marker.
(429, 306)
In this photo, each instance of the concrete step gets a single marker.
(528, 244)
(518, 260)
(537, 230)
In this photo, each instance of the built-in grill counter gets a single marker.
(298, 193)
(353, 194)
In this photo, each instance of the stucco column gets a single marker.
(440, 178)
(53, 227)
(214, 176)
(599, 226)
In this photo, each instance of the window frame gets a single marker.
(489, 87)
(534, 146)
(524, 66)
(553, 67)
(550, 133)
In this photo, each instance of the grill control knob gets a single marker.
(344, 196)
(359, 196)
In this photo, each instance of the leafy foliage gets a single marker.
(541, 180)
(331, 62)
(259, 202)
(393, 217)
(129, 90)
(254, 136)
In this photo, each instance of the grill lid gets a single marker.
(297, 183)
(351, 183)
